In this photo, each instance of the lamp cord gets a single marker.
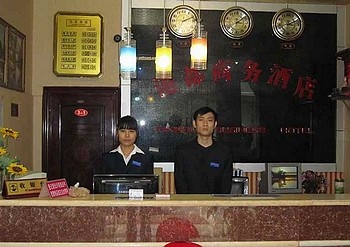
(199, 9)
(164, 28)
(164, 13)
(129, 14)
(199, 19)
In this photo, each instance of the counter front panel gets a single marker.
(202, 219)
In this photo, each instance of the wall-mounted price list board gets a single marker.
(78, 44)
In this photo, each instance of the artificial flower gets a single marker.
(16, 169)
(313, 183)
(8, 164)
(7, 132)
(3, 151)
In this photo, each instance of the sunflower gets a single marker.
(16, 169)
(3, 151)
(5, 132)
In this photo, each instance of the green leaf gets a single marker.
(5, 161)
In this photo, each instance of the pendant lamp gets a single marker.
(198, 48)
(163, 57)
(128, 56)
(164, 52)
(127, 51)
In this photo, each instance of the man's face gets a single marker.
(205, 124)
(127, 137)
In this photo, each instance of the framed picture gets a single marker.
(284, 178)
(3, 31)
(281, 178)
(15, 59)
(12, 57)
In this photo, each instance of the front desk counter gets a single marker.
(250, 220)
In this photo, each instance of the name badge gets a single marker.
(136, 163)
(216, 165)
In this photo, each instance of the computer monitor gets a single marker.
(121, 183)
(281, 178)
(239, 185)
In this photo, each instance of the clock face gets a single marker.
(287, 24)
(182, 21)
(236, 22)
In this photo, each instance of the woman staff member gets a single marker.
(127, 158)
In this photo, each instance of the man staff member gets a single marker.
(203, 165)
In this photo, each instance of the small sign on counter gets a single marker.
(135, 193)
(55, 188)
(22, 188)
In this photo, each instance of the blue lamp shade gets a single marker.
(128, 59)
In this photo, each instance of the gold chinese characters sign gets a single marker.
(78, 44)
(22, 188)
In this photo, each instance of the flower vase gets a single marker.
(2, 179)
(9, 177)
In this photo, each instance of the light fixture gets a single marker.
(127, 51)
(128, 56)
(199, 43)
(164, 54)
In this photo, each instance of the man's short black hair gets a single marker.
(127, 122)
(204, 110)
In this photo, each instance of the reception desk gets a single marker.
(250, 220)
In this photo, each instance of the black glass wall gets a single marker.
(271, 96)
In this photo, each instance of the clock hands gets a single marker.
(290, 23)
(236, 22)
(189, 18)
(240, 20)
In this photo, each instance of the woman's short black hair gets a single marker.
(204, 110)
(127, 122)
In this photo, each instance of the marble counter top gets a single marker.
(186, 200)
(260, 219)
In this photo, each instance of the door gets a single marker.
(79, 124)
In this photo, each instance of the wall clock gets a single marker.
(236, 22)
(182, 21)
(287, 24)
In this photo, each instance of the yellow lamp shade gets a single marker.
(163, 59)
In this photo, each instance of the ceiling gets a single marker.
(323, 2)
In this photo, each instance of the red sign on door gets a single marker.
(81, 112)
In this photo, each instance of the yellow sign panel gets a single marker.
(22, 188)
(78, 44)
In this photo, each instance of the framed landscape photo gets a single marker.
(284, 178)
(3, 30)
(15, 59)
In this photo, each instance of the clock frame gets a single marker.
(288, 24)
(182, 21)
(236, 22)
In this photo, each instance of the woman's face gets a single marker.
(127, 137)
